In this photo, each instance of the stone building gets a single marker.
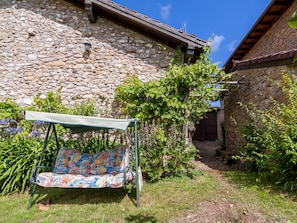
(267, 50)
(44, 47)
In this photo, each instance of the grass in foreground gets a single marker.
(265, 196)
(159, 202)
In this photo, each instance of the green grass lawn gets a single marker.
(271, 199)
(160, 202)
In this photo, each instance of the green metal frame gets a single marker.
(52, 129)
(137, 159)
(36, 170)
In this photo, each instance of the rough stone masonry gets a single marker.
(42, 49)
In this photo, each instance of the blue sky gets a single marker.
(225, 22)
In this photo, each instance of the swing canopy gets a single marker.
(114, 177)
(78, 123)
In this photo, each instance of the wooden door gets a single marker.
(207, 130)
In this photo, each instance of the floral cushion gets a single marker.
(61, 163)
(112, 161)
(74, 169)
(75, 162)
(49, 179)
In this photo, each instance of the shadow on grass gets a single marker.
(251, 179)
(83, 196)
(141, 219)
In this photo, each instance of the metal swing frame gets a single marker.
(80, 124)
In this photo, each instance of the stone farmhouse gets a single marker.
(85, 48)
(265, 52)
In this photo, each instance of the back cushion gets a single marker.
(110, 161)
(61, 163)
(73, 161)
(79, 163)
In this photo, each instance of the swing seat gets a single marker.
(50, 179)
(74, 169)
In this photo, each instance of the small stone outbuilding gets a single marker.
(266, 51)
(44, 47)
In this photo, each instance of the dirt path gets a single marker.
(222, 209)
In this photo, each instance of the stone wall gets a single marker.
(256, 86)
(42, 49)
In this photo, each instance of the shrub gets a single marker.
(21, 141)
(53, 103)
(94, 143)
(182, 95)
(178, 99)
(271, 138)
(9, 109)
(18, 155)
(164, 153)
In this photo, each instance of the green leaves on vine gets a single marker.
(293, 24)
(271, 138)
(183, 93)
(293, 21)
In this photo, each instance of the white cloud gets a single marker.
(165, 11)
(232, 46)
(216, 42)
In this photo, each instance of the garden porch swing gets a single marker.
(74, 169)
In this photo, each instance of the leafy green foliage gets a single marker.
(271, 138)
(10, 114)
(163, 153)
(20, 150)
(183, 94)
(18, 155)
(53, 103)
(9, 109)
(181, 97)
(293, 24)
(91, 144)
(85, 108)
(293, 21)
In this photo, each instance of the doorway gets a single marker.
(207, 128)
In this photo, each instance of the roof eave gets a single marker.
(141, 23)
(255, 33)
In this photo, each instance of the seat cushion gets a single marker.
(49, 179)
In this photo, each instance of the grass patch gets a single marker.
(159, 202)
(264, 196)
